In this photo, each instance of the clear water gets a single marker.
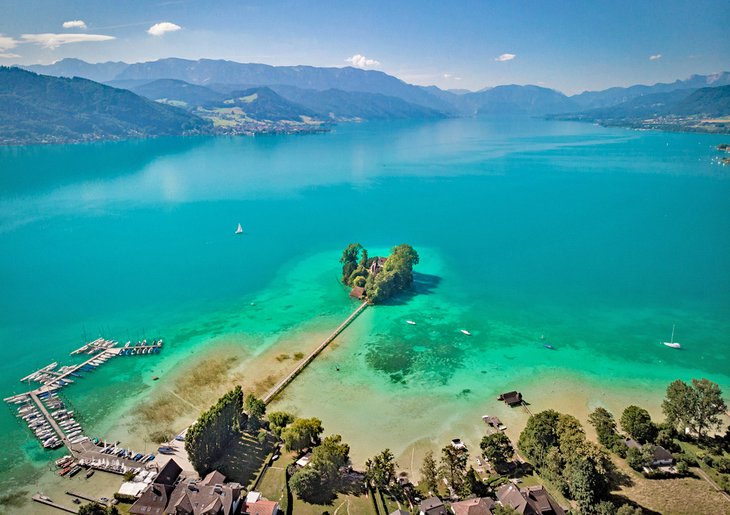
(599, 239)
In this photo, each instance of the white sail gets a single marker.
(239, 230)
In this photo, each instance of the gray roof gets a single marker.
(661, 454)
(433, 506)
(169, 473)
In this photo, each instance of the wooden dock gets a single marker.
(37, 498)
(276, 390)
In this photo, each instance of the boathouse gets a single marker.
(358, 292)
(511, 398)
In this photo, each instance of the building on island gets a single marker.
(376, 265)
(533, 500)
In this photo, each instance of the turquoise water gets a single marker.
(599, 239)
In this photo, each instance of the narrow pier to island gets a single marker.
(277, 389)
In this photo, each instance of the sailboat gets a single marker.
(239, 230)
(671, 343)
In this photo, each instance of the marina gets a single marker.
(55, 425)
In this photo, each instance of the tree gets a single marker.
(349, 260)
(602, 420)
(589, 474)
(208, 437)
(302, 433)
(429, 472)
(278, 420)
(328, 458)
(94, 508)
(306, 483)
(539, 436)
(380, 470)
(629, 510)
(637, 423)
(474, 484)
(708, 406)
(255, 409)
(696, 406)
(497, 448)
(453, 465)
(634, 459)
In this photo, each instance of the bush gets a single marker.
(723, 464)
(634, 458)
(129, 499)
(682, 467)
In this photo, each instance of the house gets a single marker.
(169, 495)
(662, 457)
(432, 506)
(376, 265)
(533, 500)
(358, 292)
(262, 507)
(511, 398)
(477, 506)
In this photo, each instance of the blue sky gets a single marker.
(568, 45)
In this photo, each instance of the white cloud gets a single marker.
(56, 40)
(6, 43)
(655, 57)
(8, 55)
(74, 24)
(505, 57)
(158, 29)
(451, 76)
(360, 61)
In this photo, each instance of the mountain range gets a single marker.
(64, 101)
(507, 99)
(41, 109)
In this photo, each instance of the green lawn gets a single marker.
(343, 504)
(273, 484)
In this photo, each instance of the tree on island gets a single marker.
(379, 283)
(637, 423)
(429, 472)
(497, 448)
(696, 407)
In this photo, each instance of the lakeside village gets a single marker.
(240, 458)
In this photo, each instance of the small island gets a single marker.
(376, 279)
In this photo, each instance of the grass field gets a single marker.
(244, 458)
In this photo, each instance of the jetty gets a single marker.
(276, 390)
(47, 416)
(42, 499)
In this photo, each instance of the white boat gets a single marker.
(239, 230)
(411, 322)
(466, 332)
(671, 343)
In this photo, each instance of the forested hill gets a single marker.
(42, 109)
